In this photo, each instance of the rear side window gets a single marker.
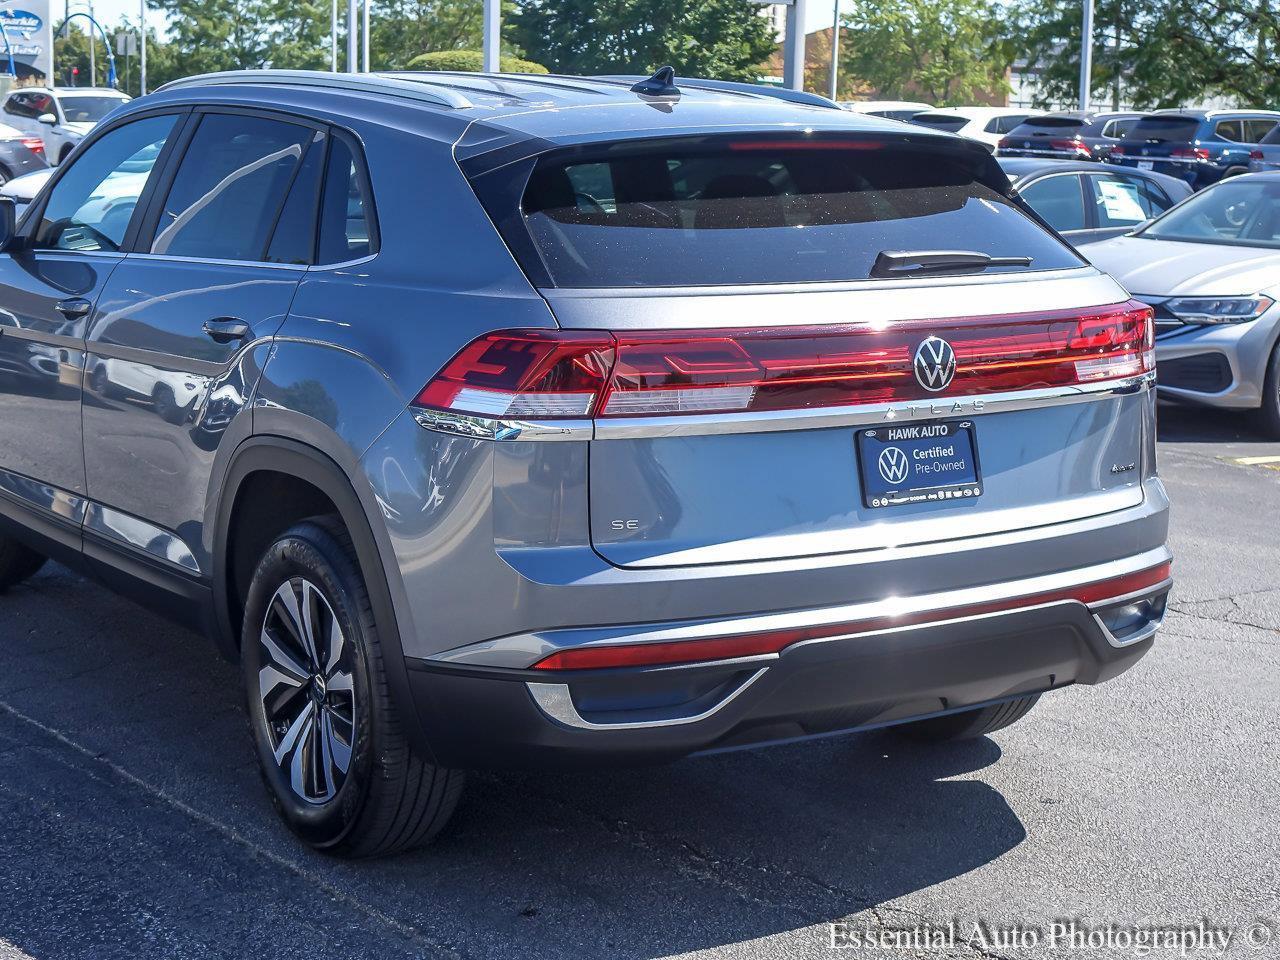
(1126, 201)
(946, 122)
(1255, 131)
(346, 222)
(1230, 130)
(1116, 129)
(1059, 200)
(1004, 124)
(230, 187)
(729, 211)
(1165, 128)
(294, 238)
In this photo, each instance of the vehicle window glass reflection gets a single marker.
(229, 188)
(92, 203)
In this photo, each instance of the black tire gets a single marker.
(5, 175)
(166, 404)
(388, 799)
(17, 562)
(968, 724)
(1234, 172)
(66, 152)
(1269, 412)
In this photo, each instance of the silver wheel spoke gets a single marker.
(339, 751)
(308, 623)
(326, 754)
(290, 739)
(284, 661)
(297, 769)
(335, 646)
(340, 681)
(289, 603)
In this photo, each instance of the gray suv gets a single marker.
(497, 421)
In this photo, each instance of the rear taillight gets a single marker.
(568, 374)
(1189, 153)
(34, 144)
(605, 657)
(1117, 151)
(1070, 146)
(1005, 142)
(1257, 155)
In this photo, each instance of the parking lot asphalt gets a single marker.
(133, 823)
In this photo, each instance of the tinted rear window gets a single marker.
(947, 122)
(742, 212)
(1051, 124)
(1165, 128)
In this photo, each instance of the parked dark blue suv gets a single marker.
(1198, 146)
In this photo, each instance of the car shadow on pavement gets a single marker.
(141, 789)
(1180, 423)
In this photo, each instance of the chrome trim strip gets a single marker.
(525, 649)
(489, 428)
(556, 701)
(215, 262)
(864, 414)
(632, 428)
(45, 497)
(1146, 632)
(141, 535)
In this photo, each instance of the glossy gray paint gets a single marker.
(479, 539)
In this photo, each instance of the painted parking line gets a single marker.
(1271, 462)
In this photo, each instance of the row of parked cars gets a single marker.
(1199, 147)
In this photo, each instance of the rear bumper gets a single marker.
(500, 716)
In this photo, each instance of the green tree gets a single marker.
(405, 29)
(212, 35)
(723, 39)
(1154, 53)
(945, 51)
(470, 61)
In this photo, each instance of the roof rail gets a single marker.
(734, 86)
(437, 94)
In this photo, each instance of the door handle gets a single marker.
(75, 308)
(227, 329)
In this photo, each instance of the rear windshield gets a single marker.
(723, 212)
(946, 122)
(1164, 128)
(1055, 124)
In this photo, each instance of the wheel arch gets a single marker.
(261, 454)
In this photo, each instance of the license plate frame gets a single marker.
(1146, 165)
(925, 476)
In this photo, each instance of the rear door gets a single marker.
(1060, 199)
(219, 258)
(759, 335)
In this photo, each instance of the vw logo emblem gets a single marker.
(935, 364)
(892, 465)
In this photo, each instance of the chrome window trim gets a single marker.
(633, 428)
(213, 261)
(556, 701)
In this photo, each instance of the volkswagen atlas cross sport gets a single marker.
(518, 421)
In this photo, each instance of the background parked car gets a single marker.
(889, 109)
(1198, 146)
(1067, 136)
(23, 189)
(1266, 155)
(984, 124)
(1211, 270)
(20, 153)
(1086, 202)
(60, 117)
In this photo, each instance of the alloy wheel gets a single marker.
(306, 685)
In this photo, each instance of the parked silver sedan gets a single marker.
(1211, 269)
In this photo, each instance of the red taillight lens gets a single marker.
(1257, 155)
(1190, 153)
(1117, 151)
(524, 373)
(1074, 146)
(34, 144)
(1005, 142)
(775, 641)
(565, 374)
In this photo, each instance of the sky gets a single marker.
(109, 12)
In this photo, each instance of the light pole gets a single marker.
(1086, 56)
(364, 37)
(353, 30)
(333, 37)
(142, 47)
(111, 57)
(835, 50)
(793, 47)
(492, 36)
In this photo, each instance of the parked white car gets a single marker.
(987, 125)
(61, 117)
(889, 109)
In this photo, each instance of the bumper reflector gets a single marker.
(775, 641)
